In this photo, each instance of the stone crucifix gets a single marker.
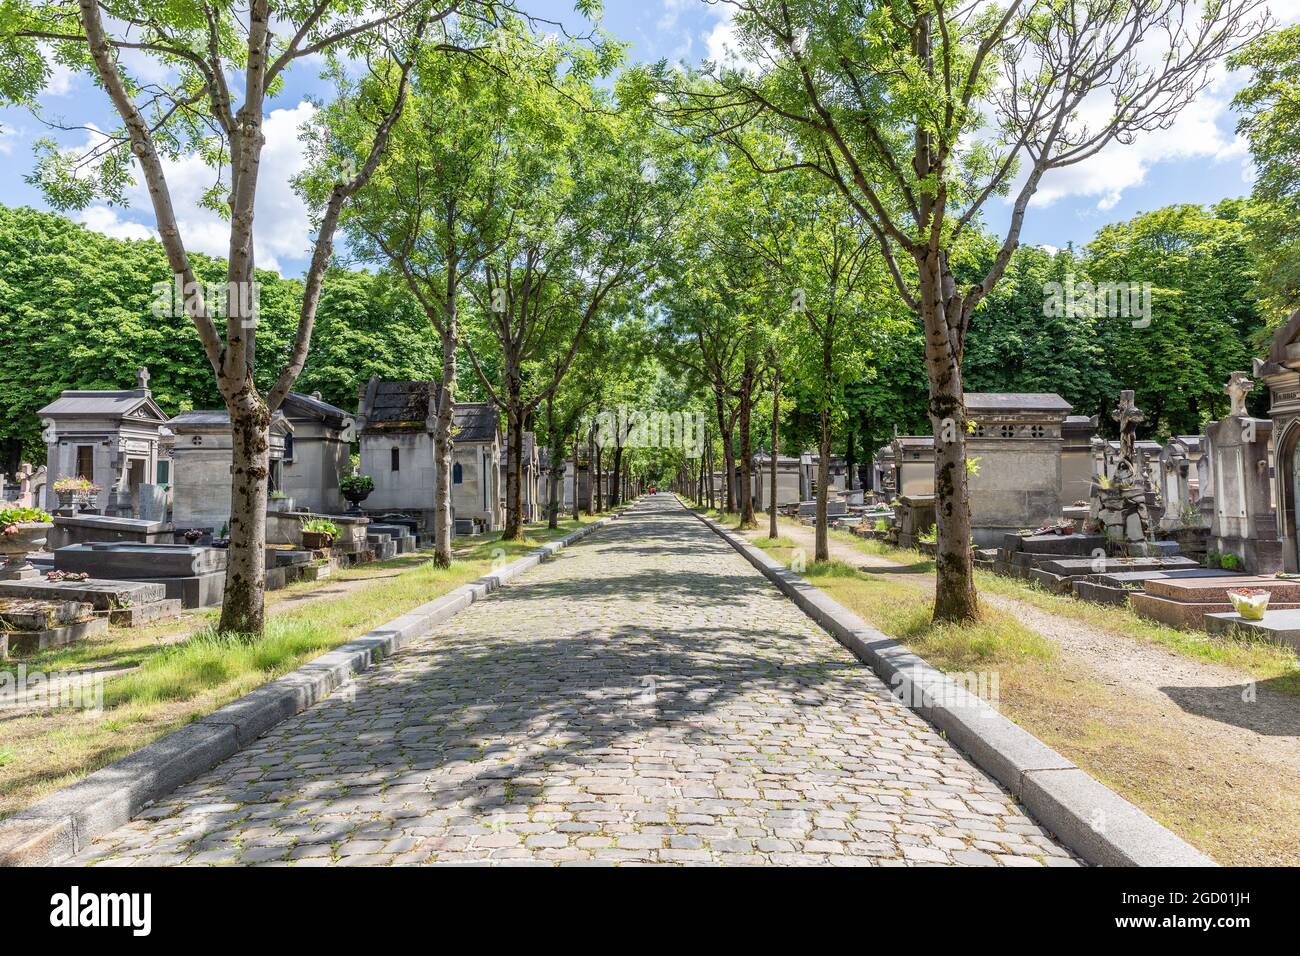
(1129, 417)
(142, 377)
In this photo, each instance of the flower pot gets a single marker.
(16, 541)
(1250, 603)
(317, 541)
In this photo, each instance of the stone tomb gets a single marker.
(28, 626)
(1061, 574)
(1115, 587)
(123, 603)
(1281, 373)
(84, 529)
(113, 438)
(788, 480)
(1281, 627)
(1017, 445)
(201, 466)
(1184, 604)
(196, 576)
(317, 452)
(1244, 522)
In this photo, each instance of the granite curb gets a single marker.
(56, 828)
(1092, 820)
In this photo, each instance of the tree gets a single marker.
(203, 45)
(919, 114)
(1270, 119)
(595, 190)
(431, 212)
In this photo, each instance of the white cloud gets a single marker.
(109, 221)
(281, 226)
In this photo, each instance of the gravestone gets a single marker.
(1244, 523)
(1119, 492)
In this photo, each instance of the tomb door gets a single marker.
(1294, 467)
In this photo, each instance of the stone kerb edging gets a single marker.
(53, 830)
(1089, 818)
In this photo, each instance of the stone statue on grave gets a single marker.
(1129, 417)
(1240, 384)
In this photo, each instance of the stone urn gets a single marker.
(15, 543)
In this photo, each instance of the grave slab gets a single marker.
(100, 594)
(29, 642)
(1280, 626)
(1215, 590)
(129, 562)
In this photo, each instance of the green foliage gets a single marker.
(320, 526)
(16, 516)
(1270, 118)
(80, 310)
(356, 484)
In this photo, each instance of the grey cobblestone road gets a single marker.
(646, 697)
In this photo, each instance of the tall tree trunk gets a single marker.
(616, 475)
(747, 519)
(849, 460)
(556, 455)
(822, 551)
(598, 490)
(729, 463)
(243, 606)
(955, 598)
(514, 472)
(444, 444)
(776, 451)
(577, 503)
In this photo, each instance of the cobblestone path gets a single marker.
(646, 697)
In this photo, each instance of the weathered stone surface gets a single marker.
(644, 697)
(1282, 626)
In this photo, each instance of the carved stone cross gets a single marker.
(1129, 417)
(1239, 386)
(142, 377)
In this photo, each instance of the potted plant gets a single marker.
(318, 534)
(1250, 603)
(193, 536)
(21, 530)
(356, 489)
(280, 502)
(72, 492)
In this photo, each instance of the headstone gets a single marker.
(1244, 523)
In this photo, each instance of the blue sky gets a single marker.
(1200, 160)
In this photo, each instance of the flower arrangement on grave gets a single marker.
(1250, 603)
(54, 577)
(193, 535)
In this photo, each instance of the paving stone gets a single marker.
(644, 698)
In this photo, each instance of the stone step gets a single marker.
(1280, 626)
(142, 614)
(29, 642)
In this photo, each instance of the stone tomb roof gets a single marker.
(313, 407)
(412, 406)
(1017, 403)
(133, 404)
